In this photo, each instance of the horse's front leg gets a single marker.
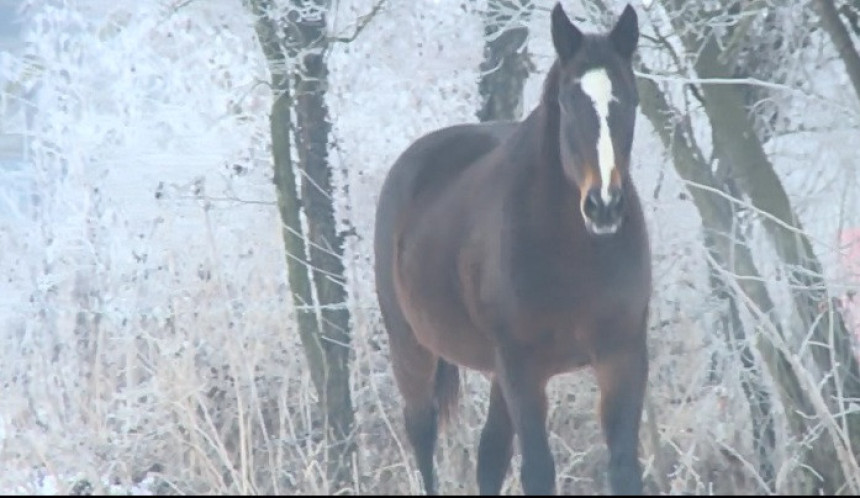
(622, 376)
(495, 448)
(523, 386)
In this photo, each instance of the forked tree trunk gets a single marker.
(729, 252)
(737, 261)
(314, 258)
(506, 65)
(325, 243)
(289, 205)
(831, 346)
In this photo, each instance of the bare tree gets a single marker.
(751, 174)
(506, 64)
(732, 257)
(295, 40)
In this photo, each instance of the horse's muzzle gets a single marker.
(603, 215)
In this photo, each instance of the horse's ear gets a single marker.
(565, 36)
(625, 34)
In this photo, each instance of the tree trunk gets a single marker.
(757, 395)
(819, 320)
(841, 40)
(297, 57)
(289, 204)
(735, 258)
(735, 140)
(735, 336)
(506, 62)
(325, 243)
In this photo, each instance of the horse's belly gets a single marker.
(460, 346)
(439, 320)
(560, 359)
(449, 334)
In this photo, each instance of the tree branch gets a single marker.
(841, 40)
(362, 23)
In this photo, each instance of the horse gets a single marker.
(520, 249)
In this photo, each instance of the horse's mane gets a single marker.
(549, 98)
(547, 114)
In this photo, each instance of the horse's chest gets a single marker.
(556, 280)
(572, 303)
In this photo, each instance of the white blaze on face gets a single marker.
(597, 85)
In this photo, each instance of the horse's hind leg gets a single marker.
(421, 428)
(494, 451)
(622, 376)
(415, 372)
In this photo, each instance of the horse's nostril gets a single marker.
(592, 203)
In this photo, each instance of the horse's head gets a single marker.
(597, 99)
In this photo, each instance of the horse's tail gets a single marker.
(447, 390)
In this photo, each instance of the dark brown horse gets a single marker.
(520, 250)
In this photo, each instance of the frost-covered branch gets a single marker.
(361, 23)
(841, 40)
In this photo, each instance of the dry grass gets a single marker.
(184, 374)
(208, 392)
